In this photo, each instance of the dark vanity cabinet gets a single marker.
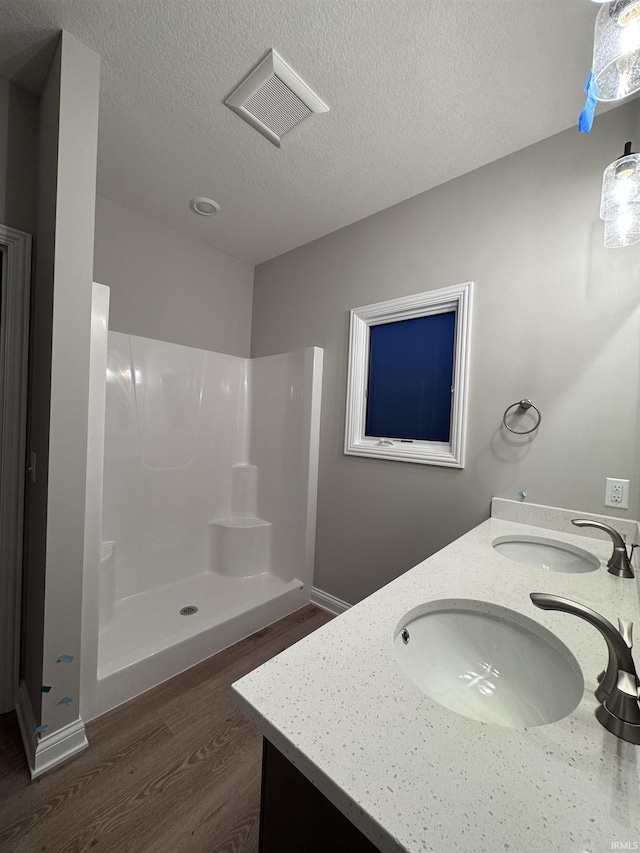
(296, 818)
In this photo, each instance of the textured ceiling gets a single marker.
(419, 91)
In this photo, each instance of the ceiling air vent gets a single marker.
(274, 99)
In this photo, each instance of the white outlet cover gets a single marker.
(616, 493)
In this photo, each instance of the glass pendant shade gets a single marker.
(621, 232)
(620, 187)
(616, 49)
(620, 201)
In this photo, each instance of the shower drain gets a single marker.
(189, 610)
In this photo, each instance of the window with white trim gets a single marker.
(408, 378)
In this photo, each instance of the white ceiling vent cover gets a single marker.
(274, 99)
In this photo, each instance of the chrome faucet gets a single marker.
(620, 561)
(618, 691)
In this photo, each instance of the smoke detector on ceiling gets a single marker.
(273, 99)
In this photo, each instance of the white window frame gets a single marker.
(458, 298)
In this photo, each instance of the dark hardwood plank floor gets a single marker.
(176, 770)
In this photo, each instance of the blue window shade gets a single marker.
(410, 378)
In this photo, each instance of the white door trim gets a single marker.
(46, 751)
(15, 247)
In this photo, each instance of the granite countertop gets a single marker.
(415, 776)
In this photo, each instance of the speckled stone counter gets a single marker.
(414, 776)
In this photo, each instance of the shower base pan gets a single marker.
(148, 640)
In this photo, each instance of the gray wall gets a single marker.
(68, 138)
(168, 286)
(18, 157)
(556, 319)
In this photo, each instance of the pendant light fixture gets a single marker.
(620, 202)
(616, 49)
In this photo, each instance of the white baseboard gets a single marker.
(328, 602)
(47, 751)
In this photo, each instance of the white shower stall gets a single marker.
(208, 502)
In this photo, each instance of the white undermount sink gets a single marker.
(549, 554)
(488, 663)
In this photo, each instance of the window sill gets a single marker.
(424, 453)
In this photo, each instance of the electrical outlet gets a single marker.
(616, 493)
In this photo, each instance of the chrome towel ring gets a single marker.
(522, 404)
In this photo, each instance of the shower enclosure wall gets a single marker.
(208, 506)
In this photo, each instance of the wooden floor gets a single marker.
(175, 771)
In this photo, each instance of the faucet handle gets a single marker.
(625, 626)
